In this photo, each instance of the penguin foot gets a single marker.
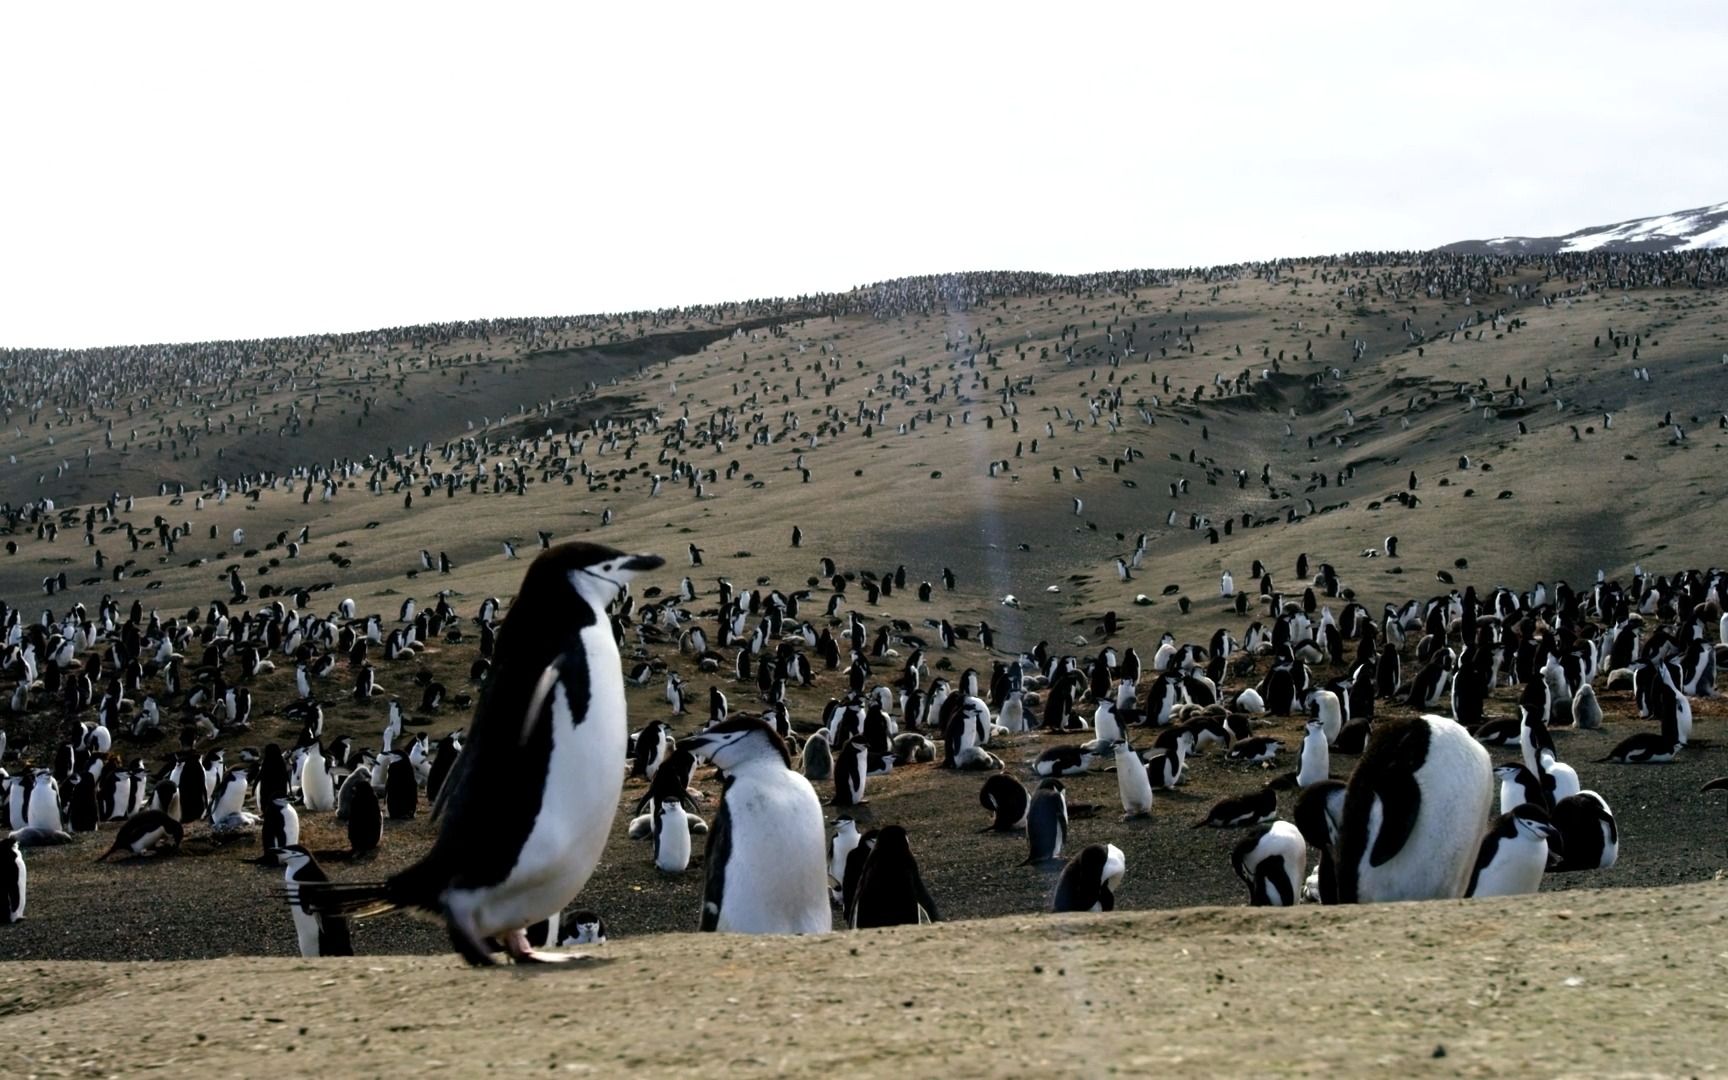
(468, 944)
(516, 944)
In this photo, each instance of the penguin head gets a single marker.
(1532, 822)
(294, 856)
(598, 574)
(735, 741)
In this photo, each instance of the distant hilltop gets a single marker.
(1683, 230)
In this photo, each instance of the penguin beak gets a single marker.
(637, 564)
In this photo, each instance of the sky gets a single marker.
(174, 172)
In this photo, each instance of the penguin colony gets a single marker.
(127, 680)
(528, 790)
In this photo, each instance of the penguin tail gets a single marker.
(354, 900)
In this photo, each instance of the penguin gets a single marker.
(1007, 801)
(365, 821)
(671, 837)
(14, 881)
(527, 811)
(1090, 879)
(148, 832)
(653, 745)
(585, 928)
(194, 790)
(1589, 838)
(82, 811)
(840, 848)
(1046, 822)
(1586, 710)
(1413, 809)
(764, 862)
(226, 804)
(1132, 782)
(1254, 751)
(1514, 854)
(443, 760)
(1063, 761)
(401, 789)
(1319, 817)
(816, 760)
(890, 891)
(281, 828)
(1242, 810)
(317, 788)
(1324, 706)
(1518, 785)
(1316, 760)
(1273, 862)
(851, 767)
(319, 934)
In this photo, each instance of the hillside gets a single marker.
(944, 424)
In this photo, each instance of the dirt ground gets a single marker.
(1621, 982)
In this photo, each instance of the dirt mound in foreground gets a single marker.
(1617, 982)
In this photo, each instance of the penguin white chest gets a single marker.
(583, 782)
(1516, 870)
(777, 876)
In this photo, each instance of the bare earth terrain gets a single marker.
(1630, 982)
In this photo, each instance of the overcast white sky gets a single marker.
(178, 171)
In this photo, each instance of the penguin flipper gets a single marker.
(716, 854)
(1400, 801)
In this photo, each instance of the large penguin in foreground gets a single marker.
(1415, 810)
(530, 801)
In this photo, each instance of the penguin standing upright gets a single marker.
(1132, 782)
(890, 890)
(365, 820)
(401, 789)
(317, 787)
(319, 934)
(851, 766)
(13, 881)
(1316, 756)
(1514, 854)
(671, 837)
(526, 814)
(1089, 881)
(281, 828)
(765, 867)
(1047, 822)
(1413, 812)
(817, 758)
(443, 760)
(839, 850)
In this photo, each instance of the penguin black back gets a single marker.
(365, 820)
(890, 890)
